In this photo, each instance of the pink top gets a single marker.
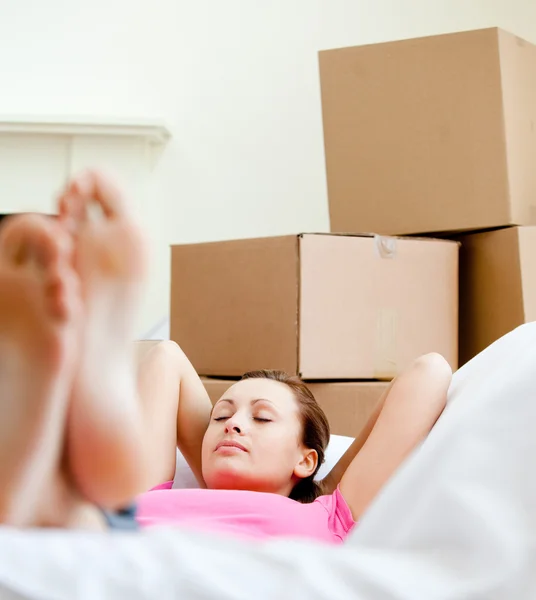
(246, 514)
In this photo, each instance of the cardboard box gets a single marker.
(497, 286)
(321, 306)
(348, 405)
(431, 134)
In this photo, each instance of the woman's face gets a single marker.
(253, 441)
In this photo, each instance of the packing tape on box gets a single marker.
(385, 364)
(385, 246)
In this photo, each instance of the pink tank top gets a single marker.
(246, 514)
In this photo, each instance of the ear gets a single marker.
(307, 465)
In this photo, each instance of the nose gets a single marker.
(233, 425)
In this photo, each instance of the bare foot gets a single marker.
(39, 308)
(105, 442)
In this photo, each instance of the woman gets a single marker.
(79, 431)
(267, 434)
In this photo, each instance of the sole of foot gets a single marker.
(39, 308)
(105, 431)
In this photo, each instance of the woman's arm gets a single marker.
(176, 411)
(403, 419)
(193, 416)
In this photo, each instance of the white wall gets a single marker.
(235, 80)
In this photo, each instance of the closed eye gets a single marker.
(259, 419)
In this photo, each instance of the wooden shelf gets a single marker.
(154, 132)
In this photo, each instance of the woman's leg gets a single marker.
(39, 315)
(105, 447)
(176, 410)
(410, 409)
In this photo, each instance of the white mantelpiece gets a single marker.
(153, 132)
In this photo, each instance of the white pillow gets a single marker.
(338, 444)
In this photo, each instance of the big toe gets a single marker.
(34, 240)
(37, 247)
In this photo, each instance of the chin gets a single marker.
(230, 478)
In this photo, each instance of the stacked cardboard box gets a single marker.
(358, 308)
(432, 137)
(438, 134)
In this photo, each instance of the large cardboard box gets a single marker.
(497, 286)
(431, 134)
(348, 405)
(322, 306)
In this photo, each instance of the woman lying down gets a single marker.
(82, 435)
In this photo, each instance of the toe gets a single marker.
(73, 209)
(62, 293)
(34, 238)
(95, 186)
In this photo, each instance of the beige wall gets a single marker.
(237, 83)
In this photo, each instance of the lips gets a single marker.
(231, 444)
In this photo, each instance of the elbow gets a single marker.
(437, 371)
(435, 363)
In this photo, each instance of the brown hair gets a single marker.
(315, 428)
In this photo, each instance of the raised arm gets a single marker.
(402, 419)
(177, 411)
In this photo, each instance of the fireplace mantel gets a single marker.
(154, 132)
